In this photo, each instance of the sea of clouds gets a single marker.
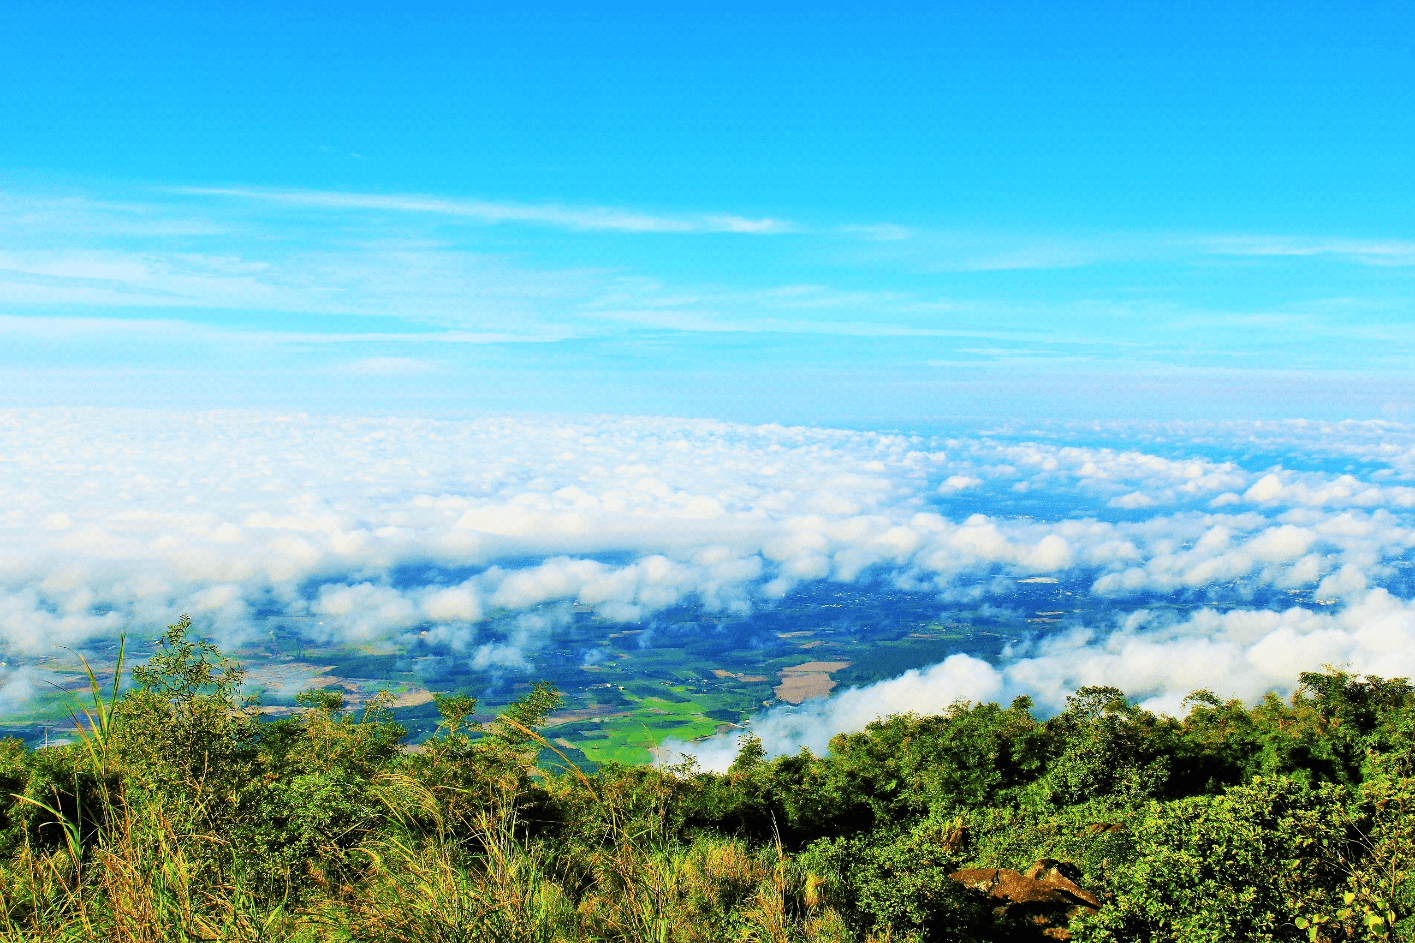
(1293, 538)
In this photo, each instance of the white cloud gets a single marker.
(1242, 653)
(149, 330)
(387, 366)
(594, 218)
(786, 729)
(1385, 252)
(17, 687)
(125, 519)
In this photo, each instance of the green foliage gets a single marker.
(1110, 748)
(184, 814)
(750, 754)
(455, 709)
(1096, 837)
(1239, 866)
(968, 757)
(180, 732)
(184, 669)
(13, 779)
(899, 882)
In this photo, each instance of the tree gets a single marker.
(181, 732)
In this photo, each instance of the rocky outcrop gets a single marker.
(1045, 898)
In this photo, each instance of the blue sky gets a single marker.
(901, 216)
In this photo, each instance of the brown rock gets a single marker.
(1062, 877)
(1046, 896)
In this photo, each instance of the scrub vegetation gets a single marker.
(181, 814)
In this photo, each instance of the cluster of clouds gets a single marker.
(482, 534)
(1240, 652)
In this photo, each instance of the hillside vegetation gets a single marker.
(180, 815)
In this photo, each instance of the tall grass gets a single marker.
(136, 866)
(124, 872)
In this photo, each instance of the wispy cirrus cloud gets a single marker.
(588, 218)
(63, 328)
(239, 267)
(1384, 252)
(387, 367)
(944, 251)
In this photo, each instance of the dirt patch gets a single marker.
(750, 679)
(803, 682)
(292, 676)
(411, 698)
(814, 666)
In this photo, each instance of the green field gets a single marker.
(627, 688)
(675, 713)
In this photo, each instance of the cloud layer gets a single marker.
(377, 530)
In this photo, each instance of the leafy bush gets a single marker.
(184, 814)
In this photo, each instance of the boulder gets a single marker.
(1045, 898)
